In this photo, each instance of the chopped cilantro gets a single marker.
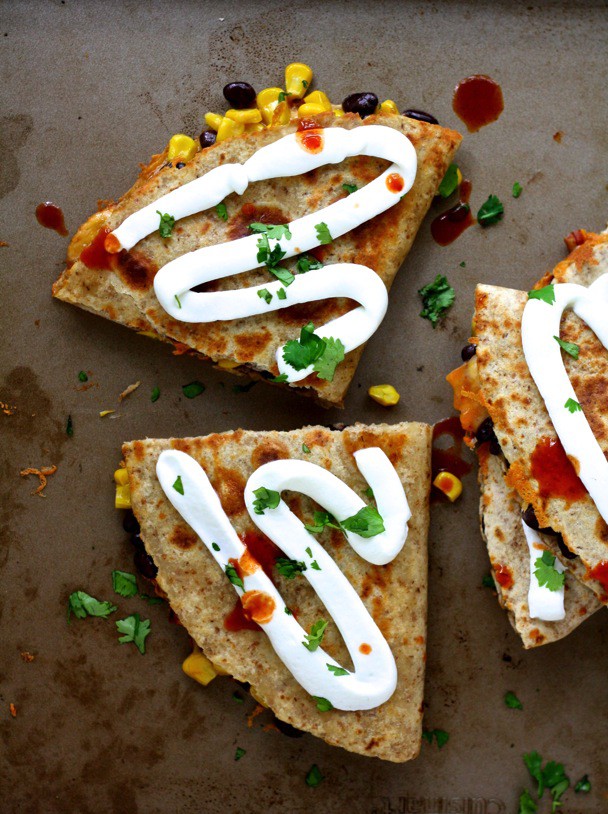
(350, 188)
(304, 84)
(551, 777)
(315, 637)
(314, 776)
(546, 573)
(440, 735)
(546, 294)
(307, 263)
(369, 492)
(82, 376)
(323, 233)
(155, 395)
(239, 753)
(337, 671)
(306, 449)
(282, 96)
(462, 264)
(323, 705)
(282, 377)
(151, 600)
(366, 523)
(82, 604)
(69, 427)
(517, 189)
(315, 566)
(124, 583)
(177, 300)
(285, 276)
(178, 485)
(512, 701)
(167, 222)
(305, 351)
(326, 364)
(308, 551)
(488, 582)
(135, 630)
(233, 576)
(573, 406)
(281, 293)
(321, 520)
(571, 348)
(449, 184)
(437, 297)
(215, 546)
(287, 611)
(583, 785)
(490, 212)
(289, 568)
(264, 294)
(221, 211)
(526, 803)
(265, 499)
(271, 231)
(193, 389)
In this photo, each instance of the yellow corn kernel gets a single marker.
(298, 77)
(122, 499)
(198, 667)
(149, 334)
(449, 484)
(338, 112)
(459, 176)
(121, 477)
(213, 120)
(228, 129)
(307, 109)
(317, 97)
(267, 100)
(227, 364)
(388, 106)
(257, 127)
(104, 413)
(384, 394)
(181, 148)
(281, 115)
(250, 115)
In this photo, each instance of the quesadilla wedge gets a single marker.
(505, 417)
(391, 596)
(246, 338)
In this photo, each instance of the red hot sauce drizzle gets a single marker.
(263, 550)
(600, 573)
(445, 228)
(554, 472)
(95, 255)
(448, 459)
(51, 217)
(503, 574)
(478, 101)
(311, 141)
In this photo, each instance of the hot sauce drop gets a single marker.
(478, 101)
(504, 577)
(310, 140)
(95, 255)
(394, 182)
(260, 550)
(554, 472)
(51, 217)
(445, 228)
(600, 573)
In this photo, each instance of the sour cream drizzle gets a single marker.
(542, 603)
(540, 323)
(374, 678)
(285, 157)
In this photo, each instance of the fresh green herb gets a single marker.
(326, 364)
(82, 604)
(135, 630)
(323, 233)
(573, 406)
(546, 573)
(308, 551)
(274, 232)
(178, 485)
(151, 600)
(488, 582)
(517, 189)
(526, 803)
(239, 753)
(571, 348)
(155, 395)
(437, 297)
(82, 376)
(551, 777)
(314, 776)
(282, 377)
(490, 212)
(282, 96)
(282, 294)
(315, 566)
(366, 523)
(215, 546)
(462, 264)
(177, 300)
(264, 294)
(69, 427)
(244, 388)
(306, 449)
(533, 762)
(221, 211)
(369, 492)
(272, 257)
(306, 263)
(165, 227)
(512, 701)
(315, 637)
(321, 520)
(265, 499)
(305, 351)
(304, 84)
(323, 705)
(192, 390)
(440, 735)
(337, 671)
(238, 698)
(287, 611)
(283, 275)
(350, 188)
(546, 294)
(124, 583)
(233, 576)
(583, 785)
(289, 568)
(449, 184)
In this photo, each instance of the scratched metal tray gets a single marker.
(91, 89)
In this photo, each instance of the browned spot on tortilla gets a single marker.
(318, 312)
(592, 393)
(230, 484)
(268, 451)
(601, 529)
(373, 742)
(538, 637)
(250, 213)
(252, 345)
(139, 450)
(136, 270)
(391, 446)
(183, 537)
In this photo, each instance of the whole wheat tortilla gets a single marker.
(395, 594)
(126, 294)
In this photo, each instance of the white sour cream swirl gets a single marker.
(542, 603)
(374, 678)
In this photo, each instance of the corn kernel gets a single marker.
(267, 100)
(306, 110)
(384, 394)
(281, 115)
(338, 112)
(317, 97)
(149, 334)
(121, 477)
(298, 77)
(388, 106)
(228, 129)
(198, 667)
(122, 499)
(257, 127)
(458, 176)
(181, 148)
(449, 484)
(248, 116)
(227, 364)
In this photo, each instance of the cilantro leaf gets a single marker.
(369, 492)
(315, 637)
(178, 485)
(437, 297)
(350, 188)
(449, 183)
(323, 705)
(82, 604)
(289, 568)
(440, 735)
(526, 803)
(282, 96)
(282, 377)
(239, 753)
(305, 351)
(333, 353)
(272, 231)
(546, 573)
(284, 275)
(215, 546)
(533, 762)
(124, 583)
(82, 376)
(307, 263)
(69, 427)
(287, 611)
(167, 222)
(583, 785)
(177, 300)
(366, 523)
(512, 701)
(337, 671)
(232, 575)
(323, 233)
(265, 499)
(573, 406)
(571, 348)
(192, 390)
(314, 776)
(281, 293)
(155, 395)
(517, 189)
(264, 294)
(321, 519)
(490, 212)
(546, 294)
(221, 211)
(315, 566)
(306, 449)
(151, 600)
(135, 630)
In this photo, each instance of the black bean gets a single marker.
(239, 94)
(362, 103)
(129, 523)
(288, 729)
(458, 213)
(145, 564)
(569, 555)
(485, 431)
(468, 352)
(495, 448)
(137, 542)
(420, 115)
(179, 165)
(207, 139)
(530, 519)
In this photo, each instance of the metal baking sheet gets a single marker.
(89, 90)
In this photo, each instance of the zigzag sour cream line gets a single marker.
(542, 603)
(374, 678)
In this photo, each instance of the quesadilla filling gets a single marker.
(377, 535)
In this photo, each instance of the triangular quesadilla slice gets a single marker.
(120, 286)
(391, 596)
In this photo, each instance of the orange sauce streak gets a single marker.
(395, 182)
(310, 140)
(259, 606)
(554, 472)
(248, 564)
(600, 573)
